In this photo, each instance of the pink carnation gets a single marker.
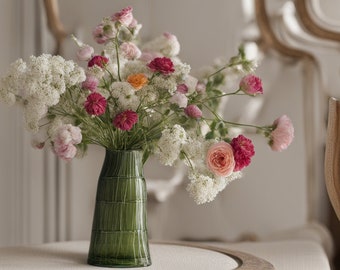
(98, 60)
(282, 135)
(95, 104)
(200, 88)
(125, 16)
(251, 85)
(125, 120)
(180, 99)
(220, 159)
(163, 65)
(193, 111)
(90, 83)
(68, 133)
(243, 151)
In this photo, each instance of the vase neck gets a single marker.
(123, 163)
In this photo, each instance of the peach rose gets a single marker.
(220, 159)
(137, 80)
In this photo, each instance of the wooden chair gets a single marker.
(332, 155)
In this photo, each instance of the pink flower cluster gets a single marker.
(66, 138)
(223, 158)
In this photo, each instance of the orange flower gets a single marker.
(137, 80)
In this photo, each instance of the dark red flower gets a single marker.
(163, 65)
(243, 151)
(95, 104)
(98, 60)
(125, 120)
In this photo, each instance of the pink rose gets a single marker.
(243, 152)
(163, 65)
(98, 60)
(130, 51)
(64, 151)
(282, 135)
(193, 111)
(125, 16)
(125, 120)
(220, 159)
(85, 52)
(90, 83)
(251, 85)
(95, 104)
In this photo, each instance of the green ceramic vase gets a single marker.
(119, 235)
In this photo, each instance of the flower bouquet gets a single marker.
(140, 98)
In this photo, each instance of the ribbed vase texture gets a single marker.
(119, 235)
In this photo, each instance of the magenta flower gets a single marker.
(251, 85)
(98, 60)
(282, 135)
(95, 104)
(193, 111)
(243, 152)
(90, 83)
(125, 120)
(163, 65)
(125, 16)
(182, 88)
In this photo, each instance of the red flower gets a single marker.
(243, 152)
(163, 65)
(125, 120)
(95, 104)
(98, 60)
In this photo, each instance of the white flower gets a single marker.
(125, 95)
(167, 44)
(170, 144)
(202, 188)
(165, 84)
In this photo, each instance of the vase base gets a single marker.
(119, 263)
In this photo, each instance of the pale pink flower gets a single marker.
(243, 151)
(182, 88)
(251, 85)
(148, 56)
(64, 151)
(98, 34)
(85, 52)
(193, 111)
(125, 16)
(130, 51)
(90, 83)
(200, 88)
(125, 120)
(163, 65)
(180, 99)
(282, 135)
(95, 104)
(220, 159)
(68, 133)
